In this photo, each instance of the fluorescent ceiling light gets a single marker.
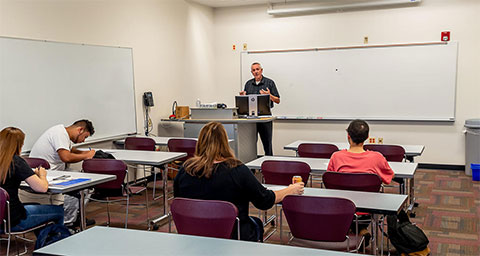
(289, 11)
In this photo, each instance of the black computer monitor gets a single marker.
(241, 102)
(263, 105)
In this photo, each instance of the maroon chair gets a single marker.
(114, 191)
(145, 144)
(34, 162)
(140, 143)
(5, 227)
(281, 172)
(319, 219)
(316, 150)
(209, 218)
(367, 182)
(392, 153)
(182, 146)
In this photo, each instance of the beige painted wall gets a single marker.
(182, 51)
(171, 40)
(444, 141)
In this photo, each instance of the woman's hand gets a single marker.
(40, 172)
(297, 188)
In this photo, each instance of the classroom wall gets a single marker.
(445, 142)
(171, 40)
(183, 51)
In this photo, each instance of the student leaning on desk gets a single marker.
(215, 174)
(56, 146)
(14, 170)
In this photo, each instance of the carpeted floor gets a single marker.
(448, 212)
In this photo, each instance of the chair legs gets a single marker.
(108, 212)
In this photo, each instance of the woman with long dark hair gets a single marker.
(215, 174)
(14, 170)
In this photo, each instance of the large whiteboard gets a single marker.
(403, 82)
(47, 83)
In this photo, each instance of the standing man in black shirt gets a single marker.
(262, 85)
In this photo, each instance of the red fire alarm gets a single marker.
(446, 36)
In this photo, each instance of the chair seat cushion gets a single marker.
(336, 246)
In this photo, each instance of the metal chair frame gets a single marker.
(7, 229)
(125, 189)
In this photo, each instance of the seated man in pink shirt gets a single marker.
(356, 159)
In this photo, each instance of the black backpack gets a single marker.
(405, 236)
(99, 154)
(50, 234)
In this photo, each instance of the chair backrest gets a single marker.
(4, 197)
(316, 150)
(281, 172)
(182, 146)
(34, 162)
(204, 217)
(392, 153)
(367, 182)
(140, 143)
(318, 218)
(107, 166)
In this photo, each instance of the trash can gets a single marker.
(472, 144)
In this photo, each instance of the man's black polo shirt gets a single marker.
(252, 88)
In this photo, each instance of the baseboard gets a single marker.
(451, 167)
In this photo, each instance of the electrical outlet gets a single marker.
(365, 40)
(371, 140)
(234, 47)
(380, 140)
(244, 46)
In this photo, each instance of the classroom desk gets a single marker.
(411, 151)
(116, 241)
(318, 166)
(151, 158)
(95, 179)
(370, 202)
(243, 131)
(159, 141)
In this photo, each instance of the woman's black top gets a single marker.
(18, 172)
(237, 185)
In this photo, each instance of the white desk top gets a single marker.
(159, 141)
(371, 202)
(410, 150)
(95, 179)
(402, 170)
(144, 157)
(116, 241)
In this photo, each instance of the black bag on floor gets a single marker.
(50, 234)
(405, 236)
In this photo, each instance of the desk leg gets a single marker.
(374, 246)
(83, 224)
(411, 198)
(165, 190)
(165, 199)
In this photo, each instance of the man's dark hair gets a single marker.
(84, 123)
(358, 131)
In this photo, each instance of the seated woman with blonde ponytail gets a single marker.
(215, 174)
